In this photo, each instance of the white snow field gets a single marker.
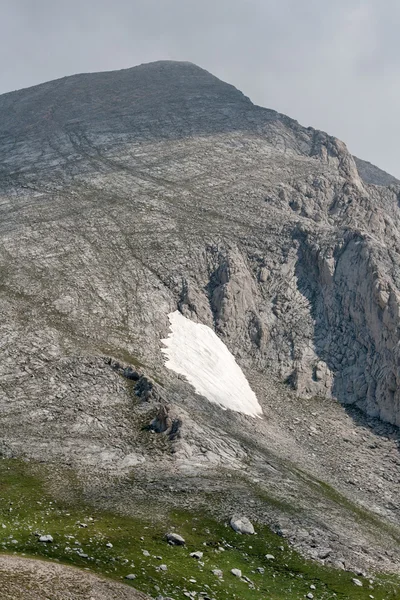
(195, 351)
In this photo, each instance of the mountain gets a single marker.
(152, 216)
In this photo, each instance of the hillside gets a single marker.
(129, 197)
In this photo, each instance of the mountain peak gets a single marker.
(170, 93)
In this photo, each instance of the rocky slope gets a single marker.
(372, 174)
(125, 196)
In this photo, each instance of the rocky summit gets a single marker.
(152, 221)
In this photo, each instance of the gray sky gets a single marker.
(332, 64)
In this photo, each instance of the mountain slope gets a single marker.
(372, 174)
(126, 196)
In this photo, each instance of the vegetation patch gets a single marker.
(117, 546)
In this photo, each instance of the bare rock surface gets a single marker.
(118, 207)
(126, 196)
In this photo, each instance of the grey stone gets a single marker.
(218, 573)
(324, 553)
(175, 538)
(236, 572)
(242, 525)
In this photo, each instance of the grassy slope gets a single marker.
(26, 508)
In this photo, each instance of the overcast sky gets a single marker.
(332, 64)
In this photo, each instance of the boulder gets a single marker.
(242, 525)
(236, 572)
(174, 538)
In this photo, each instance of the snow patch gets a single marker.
(195, 351)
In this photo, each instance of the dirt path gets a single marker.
(29, 579)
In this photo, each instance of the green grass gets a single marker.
(27, 507)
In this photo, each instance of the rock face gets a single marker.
(161, 182)
(126, 196)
